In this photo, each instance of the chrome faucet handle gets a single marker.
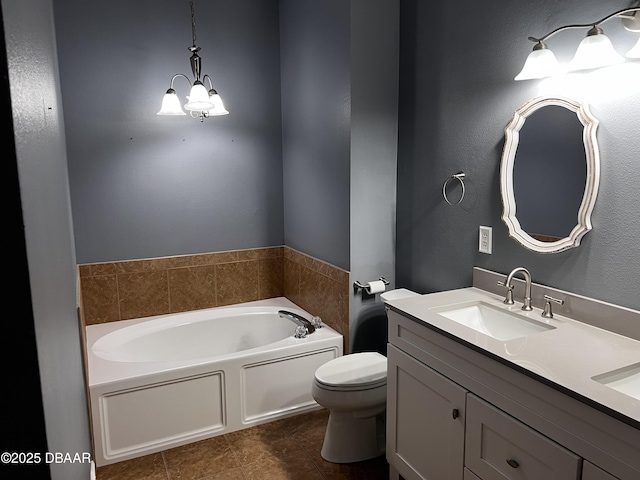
(509, 298)
(301, 332)
(316, 321)
(548, 311)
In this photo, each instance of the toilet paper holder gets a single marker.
(357, 285)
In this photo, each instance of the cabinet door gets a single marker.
(499, 447)
(425, 420)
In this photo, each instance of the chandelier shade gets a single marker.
(540, 63)
(198, 98)
(595, 51)
(218, 106)
(171, 104)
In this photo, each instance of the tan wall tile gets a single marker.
(103, 269)
(270, 278)
(292, 280)
(192, 288)
(100, 299)
(237, 282)
(143, 294)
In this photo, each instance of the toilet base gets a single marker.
(351, 439)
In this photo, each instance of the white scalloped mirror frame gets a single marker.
(512, 136)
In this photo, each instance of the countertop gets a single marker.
(567, 356)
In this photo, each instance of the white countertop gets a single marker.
(568, 355)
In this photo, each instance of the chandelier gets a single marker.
(201, 102)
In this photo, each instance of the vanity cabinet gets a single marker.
(456, 413)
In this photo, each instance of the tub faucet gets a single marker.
(526, 305)
(304, 326)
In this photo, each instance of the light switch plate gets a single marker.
(485, 240)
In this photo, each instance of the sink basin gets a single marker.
(492, 321)
(625, 380)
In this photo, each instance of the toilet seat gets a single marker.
(354, 372)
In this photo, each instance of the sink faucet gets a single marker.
(304, 328)
(527, 288)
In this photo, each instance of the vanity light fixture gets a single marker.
(595, 51)
(201, 103)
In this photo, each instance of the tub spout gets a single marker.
(300, 321)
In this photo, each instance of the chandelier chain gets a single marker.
(193, 23)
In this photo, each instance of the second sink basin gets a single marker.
(492, 321)
(625, 380)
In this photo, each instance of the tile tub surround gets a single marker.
(281, 450)
(320, 289)
(114, 291)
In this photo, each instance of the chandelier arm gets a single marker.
(584, 25)
(180, 75)
(207, 77)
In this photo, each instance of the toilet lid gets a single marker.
(354, 371)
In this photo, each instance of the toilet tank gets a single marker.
(397, 294)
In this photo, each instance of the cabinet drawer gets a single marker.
(469, 475)
(591, 472)
(498, 446)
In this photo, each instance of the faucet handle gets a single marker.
(316, 321)
(548, 311)
(301, 332)
(509, 298)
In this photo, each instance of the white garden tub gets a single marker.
(164, 381)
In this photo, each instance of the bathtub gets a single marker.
(160, 382)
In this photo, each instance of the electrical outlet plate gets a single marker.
(485, 240)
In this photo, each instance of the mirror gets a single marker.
(549, 174)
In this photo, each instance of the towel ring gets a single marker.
(458, 176)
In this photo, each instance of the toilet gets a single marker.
(354, 390)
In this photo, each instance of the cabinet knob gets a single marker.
(512, 463)
(455, 413)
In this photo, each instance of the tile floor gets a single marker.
(284, 449)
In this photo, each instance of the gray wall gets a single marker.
(42, 169)
(144, 185)
(374, 140)
(316, 112)
(339, 96)
(456, 96)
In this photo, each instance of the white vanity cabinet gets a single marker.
(454, 412)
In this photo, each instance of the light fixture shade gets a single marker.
(594, 51)
(635, 51)
(540, 63)
(218, 106)
(199, 98)
(171, 105)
